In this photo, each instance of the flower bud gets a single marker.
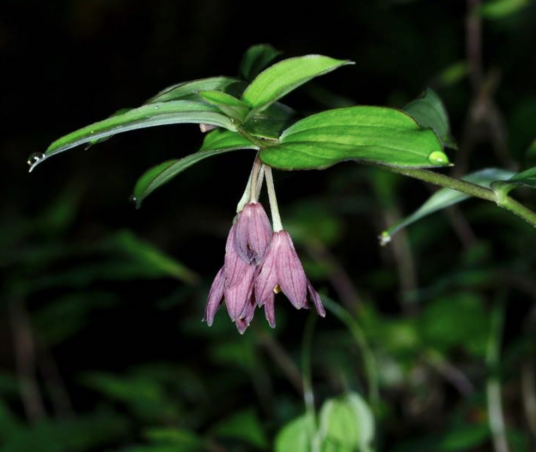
(253, 233)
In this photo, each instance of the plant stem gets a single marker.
(308, 393)
(368, 358)
(276, 217)
(254, 179)
(504, 201)
(493, 385)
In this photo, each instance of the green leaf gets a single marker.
(526, 178)
(81, 434)
(455, 321)
(256, 59)
(281, 78)
(270, 123)
(190, 90)
(446, 197)
(428, 110)
(180, 439)
(499, 9)
(215, 143)
(147, 254)
(177, 112)
(296, 436)
(346, 424)
(228, 104)
(244, 425)
(376, 134)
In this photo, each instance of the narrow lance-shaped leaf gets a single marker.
(256, 59)
(139, 250)
(525, 178)
(189, 90)
(281, 78)
(177, 112)
(445, 198)
(375, 134)
(428, 110)
(215, 143)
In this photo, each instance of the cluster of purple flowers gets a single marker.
(258, 264)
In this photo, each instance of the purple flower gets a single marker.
(282, 269)
(258, 264)
(252, 233)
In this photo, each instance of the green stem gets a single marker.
(368, 358)
(493, 384)
(308, 393)
(276, 217)
(504, 201)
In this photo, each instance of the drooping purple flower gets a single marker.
(237, 297)
(259, 264)
(253, 233)
(235, 267)
(282, 269)
(215, 297)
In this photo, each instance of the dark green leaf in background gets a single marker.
(245, 426)
(255, 59)
(428, 110)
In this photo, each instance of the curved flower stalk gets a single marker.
(259, 263)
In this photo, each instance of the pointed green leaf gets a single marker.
(446, 197)
(215, 143)
(347, 425)
(256, 59)
(428, 110)
(526, 178)
(376, 134)
(281, 78)
(229, 105)
(190, 90)
(177, 112)
(147, 254)
(245, 426)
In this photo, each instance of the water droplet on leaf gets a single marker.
(438, 158)
(35, 158)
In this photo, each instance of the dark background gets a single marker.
(66, 64)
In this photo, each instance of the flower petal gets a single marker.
(266, 278)
(247, 316)
(269, 310)
(235, 267)
(313, 294)
(215, 297)
(237, 297)
(290, 273)
(253, 233)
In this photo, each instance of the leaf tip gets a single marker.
(384, 238)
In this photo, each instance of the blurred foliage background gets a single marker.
(101, 344)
